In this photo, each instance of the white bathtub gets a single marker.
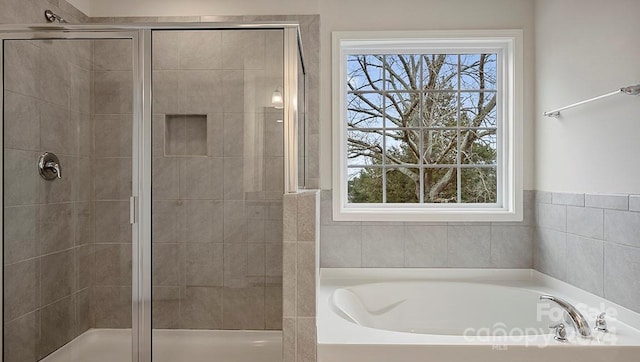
(461, 315)
(170, 345)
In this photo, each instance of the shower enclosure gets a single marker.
(143, 174)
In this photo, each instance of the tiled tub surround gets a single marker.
(217, 180)
(48, 225)
(591, 241)
(588, 240)
(426, 245)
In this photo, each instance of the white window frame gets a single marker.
(508, 45)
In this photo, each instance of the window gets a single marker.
(428, 126)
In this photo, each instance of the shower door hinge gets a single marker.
(133, 208)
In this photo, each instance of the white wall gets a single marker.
(585, 48)
(362, 15)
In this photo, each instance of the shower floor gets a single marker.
(171, 345)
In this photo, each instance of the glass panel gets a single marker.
(440, 147)
(440, 185)
(364, 72)
(67, 238)
(402, 110)
(478, 71)
(440, 109)
(402, 146)
(479, 147)
(364, 110)
(402, 72)
(364, 148)
(440, 71)
(479, 185)
(217, 217)
(403, 185)
(364, 185)
(478, 109)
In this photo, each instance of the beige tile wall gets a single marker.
(48, 229)
(32, 11)
(217, 180)
(310, 34)
(35, 210)
(71, 236)
(112, 119)
(301, 221)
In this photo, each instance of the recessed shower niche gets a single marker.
(185, 135)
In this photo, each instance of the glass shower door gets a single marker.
(92, 255)
(67, 166)
(217, 186)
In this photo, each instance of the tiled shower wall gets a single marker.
(217, 179)
(31, 213)
(112, 121)
(48, 233)
(310, 35)
(591, 241)
(426, 245)
(32, 11)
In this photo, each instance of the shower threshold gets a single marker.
(171, 345)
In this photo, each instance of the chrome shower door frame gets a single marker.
(293, 56)
(39, 32)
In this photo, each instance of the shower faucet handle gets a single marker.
(55, 168)
(49, 166)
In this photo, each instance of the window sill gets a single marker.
(432, 214)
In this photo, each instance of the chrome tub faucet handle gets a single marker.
(601, 323)
(560, 332)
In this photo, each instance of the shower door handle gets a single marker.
(132, 209)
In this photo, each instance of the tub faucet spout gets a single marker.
(581, 324)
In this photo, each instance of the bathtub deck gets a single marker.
(114, 345)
